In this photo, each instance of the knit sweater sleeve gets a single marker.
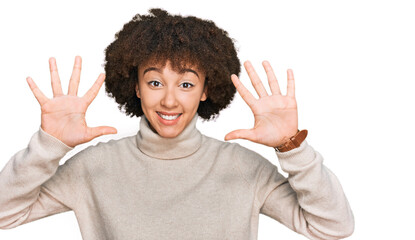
(311, 201)
(23, 198)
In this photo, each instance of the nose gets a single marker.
(169, 99)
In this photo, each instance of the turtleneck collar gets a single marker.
(153, 145)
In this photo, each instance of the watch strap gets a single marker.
(294, 141)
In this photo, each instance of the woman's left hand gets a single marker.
(276, 116)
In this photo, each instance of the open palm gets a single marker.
(63, 116)
(276, 116)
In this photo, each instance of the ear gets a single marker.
(204, 95)
(137, 91)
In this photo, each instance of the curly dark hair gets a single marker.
(160, 37)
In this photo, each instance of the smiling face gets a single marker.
(170, 99)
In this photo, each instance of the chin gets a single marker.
(169, 128)
(169, 131)
(168, 134)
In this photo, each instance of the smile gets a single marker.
(169, 117)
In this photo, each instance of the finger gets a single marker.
(56, 82)
(256, 82)
(93, 91)
(246, 134)
(272, 80)
(40, 97)
(75, 77)
(245, 94)
(290, 83)
(99, 131)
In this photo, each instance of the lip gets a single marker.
(168, 122)
(168, 114)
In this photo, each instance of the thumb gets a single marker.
(246, 134)
(99, 131)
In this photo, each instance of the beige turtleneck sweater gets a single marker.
(189, 187)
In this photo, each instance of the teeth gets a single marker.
(168, 117)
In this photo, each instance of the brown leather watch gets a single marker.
(294, 141)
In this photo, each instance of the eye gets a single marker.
(154, 83)
(186, 85)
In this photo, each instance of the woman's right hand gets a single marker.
(63, 116)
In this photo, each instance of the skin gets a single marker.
(165, 91)
(276, 115)
(63, 116)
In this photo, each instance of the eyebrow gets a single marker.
(159, 70)
(151, 69)
(190, 70)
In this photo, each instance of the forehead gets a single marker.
(180, 66)
(161, 69)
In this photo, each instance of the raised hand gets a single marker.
(63, 116)
(276, 116)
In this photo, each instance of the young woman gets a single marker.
(170, 181)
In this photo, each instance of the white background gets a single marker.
(354, 64)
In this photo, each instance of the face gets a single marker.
(170, 99)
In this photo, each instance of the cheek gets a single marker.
(190, 101)
(149, 99)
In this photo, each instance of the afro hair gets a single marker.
(160, 37)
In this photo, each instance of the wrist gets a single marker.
(293, 142)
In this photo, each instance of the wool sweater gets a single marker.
(188, 187)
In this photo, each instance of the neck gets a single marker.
(155, 146)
